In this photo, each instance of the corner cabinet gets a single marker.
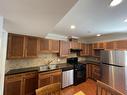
(20, 46)
(93, 71)
(48, 45)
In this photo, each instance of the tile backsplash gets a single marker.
(42, 59)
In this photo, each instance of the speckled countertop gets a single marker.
(38, 69)
(43, 69)
(90, 62)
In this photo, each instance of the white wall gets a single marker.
(109, 37)
(3, 48)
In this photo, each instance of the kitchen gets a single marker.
(34, 58)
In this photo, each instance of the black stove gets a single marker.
(79, 70)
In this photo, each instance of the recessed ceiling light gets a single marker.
(115, 3)
(72, 27)
(125, 20)
(98, 35)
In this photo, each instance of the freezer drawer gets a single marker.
(67, 78)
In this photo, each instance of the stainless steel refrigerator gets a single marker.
(114, 69)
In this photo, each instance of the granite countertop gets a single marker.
(39, 69)
(45, 69)
(90, 62)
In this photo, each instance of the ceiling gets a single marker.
(92, 17)
(33, 17)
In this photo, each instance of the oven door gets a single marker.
(79, 76)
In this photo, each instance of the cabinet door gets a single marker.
(13, 85)
(82, 53)
(95, 45)
(96, 72)
(15, 46)
(89, 70)
(88, 49)
(121, 45)
(75, 45)
(101, 45)
(30, 83)
(56, 77)
(110, 45)
(64, 48)
(54, 46)
(44, 45)
(44, 79)
(31, 47)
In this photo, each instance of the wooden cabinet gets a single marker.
(20, 46)
(15, 46)
(121, 45)
(93, 71)
(54, 46)
(13, 85)
(110, 45)
(96, 72)
(21, 84)
(75, 45)
(64, 48)
(99, 45)
(56, 77)
(88, 70)
(31, 49)
(44, 45)
(46, 78)
(30, 83)
(86, 50)
(49, 46)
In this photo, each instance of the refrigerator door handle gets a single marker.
(112, 65)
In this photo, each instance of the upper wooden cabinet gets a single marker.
(54, 46)
(20, 46)
(49, 46)
(99, 45)
(64, 48)
(110, 45)
(86, 49)
(121, 45)
(31, 49)
(15, 46)
(75, 45)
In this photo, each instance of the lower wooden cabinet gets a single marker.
(21, 84)
(13, 85)
(88, 70)
(96, 72)
(56, 77)
(30, 83)
(93, 71)
(46, 78)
